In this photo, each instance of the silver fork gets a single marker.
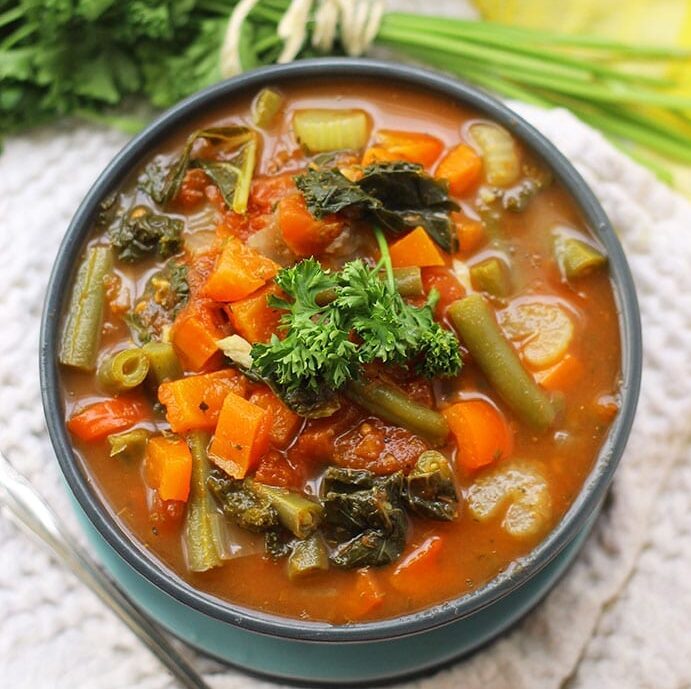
(27, 509)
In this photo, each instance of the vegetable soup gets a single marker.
(340, 352)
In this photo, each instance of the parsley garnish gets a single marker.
(318, 354)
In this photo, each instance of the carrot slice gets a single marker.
(194, 334)
(481, 432)
(168, 467)
(239, 271)
(420, 565)
(415, 249)
(242, 436)
(100, 419)
(194, 403)
(304, 234)
(563, 375)
(462, 167)
(285, 422)
(415, 147)
(252, 316)
(367, 596)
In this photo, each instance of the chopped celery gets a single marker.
(265, 107)
(502, 166)
(322, 130)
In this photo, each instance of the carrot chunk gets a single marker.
(563, 375)
(377, 154)
(253, 318)
(194, 334)
(242, 436)
(415, 147)
(420, 565)
(100, 419)
(415, 249)
(471, 234)
(462, 167)
(481, 432)
(194, 403)
(304, 234)
(168, 467)
(285, 422)
(367, 596)
(239, 271)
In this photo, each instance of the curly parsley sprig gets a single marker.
(318, 354)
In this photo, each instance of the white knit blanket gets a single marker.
(620, 618)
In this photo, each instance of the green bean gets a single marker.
(475, 322)
(308, 556)
(205, 546)
(392, 405)
(578, 259)
(265, 107)
(163, 362)
(491, 276)
(408, 282)
(124, 370)
(130, 445)
(81, 335)
(297, 513)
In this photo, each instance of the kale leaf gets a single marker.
(429, 488)
(142, 232)
(397, 195)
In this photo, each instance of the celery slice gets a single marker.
(323, 130)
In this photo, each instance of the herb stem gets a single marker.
(385, 256)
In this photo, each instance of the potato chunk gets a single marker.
(543, 329)
(520, 489)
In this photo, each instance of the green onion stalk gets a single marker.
(91, 59)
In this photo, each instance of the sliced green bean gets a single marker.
(475, 322)
(408, 282)
(577, 258)
(297, 513)
(81, 334)
(205, 546)
(308, 556)
(163, 362)
(491, 276)
(265, 107)
(130, 445)
(124, 370)
(392, 405)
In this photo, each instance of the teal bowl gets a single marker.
(316, 652)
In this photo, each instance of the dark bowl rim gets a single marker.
(596, 484)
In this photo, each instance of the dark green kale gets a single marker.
(364, 521)
(165, 294)
(141, 232)
(241, 504)
(429, 488)
(397, 195)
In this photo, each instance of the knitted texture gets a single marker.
(618, 619)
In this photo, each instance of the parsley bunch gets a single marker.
(318, 354)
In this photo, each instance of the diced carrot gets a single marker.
(285, 422)
(253, 318)
(462, 167)
(100, 419)
(367, 596)
(304, 234)
(194, 334)
(481, 432)
(168, 467)
(420, 565)
(242, 436)
(194, 403)
(563, 375)
(414, 147)
(471, 234)
(415, 249)
(239, 271)
(377, 154)
(446, 283)
(274, 469)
